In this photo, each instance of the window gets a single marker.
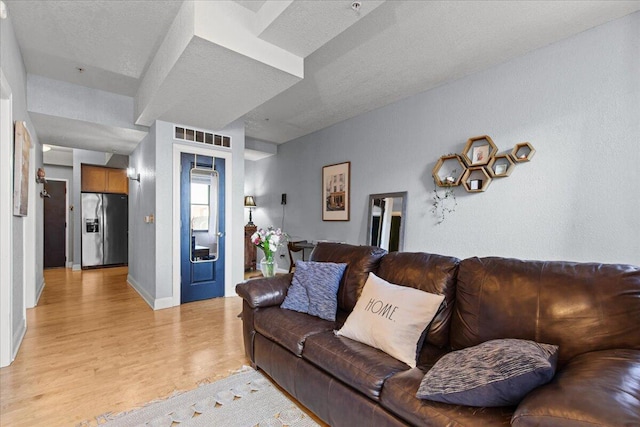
(200, 194)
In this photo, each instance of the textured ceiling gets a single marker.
(113, 41)
(353, 61)
(60, 131)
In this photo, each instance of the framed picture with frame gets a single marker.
(22, 145)
(336, 192)
(480, 154)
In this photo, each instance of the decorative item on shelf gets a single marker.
(445, 172)
(479, 150)
(500, 166)
(476, 179)
(40, 176)
(522, 152)
(132, 174)
(249, 202)
(269, 241)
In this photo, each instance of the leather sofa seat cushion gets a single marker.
(399, 397)
(579, 307)
(289, 328)
(597, 388)
(358, 365)
(360, 259)
(431, 273)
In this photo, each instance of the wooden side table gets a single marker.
(249, 248)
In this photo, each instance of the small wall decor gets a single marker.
(336, 192)
(40, 176)
(474, 168)
(22, 145)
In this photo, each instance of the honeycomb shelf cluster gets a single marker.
(479, 164)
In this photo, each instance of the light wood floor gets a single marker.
(93, 346)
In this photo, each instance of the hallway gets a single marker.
(93, 346)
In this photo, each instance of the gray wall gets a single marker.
(24, 273)
(142, 202)
(61, 173)
(576, 101)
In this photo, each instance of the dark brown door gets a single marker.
(55, 224)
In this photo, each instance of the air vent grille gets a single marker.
(193, 135)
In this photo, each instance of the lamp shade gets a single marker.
(249, 202)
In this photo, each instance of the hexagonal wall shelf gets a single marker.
(479, 150)
(476, 179)
(448, 170)
(522, 152)
(500, 166)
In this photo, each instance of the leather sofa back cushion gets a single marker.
(360, 259)
(579, 307)
(431, 273)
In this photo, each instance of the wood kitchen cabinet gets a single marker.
(98, 179)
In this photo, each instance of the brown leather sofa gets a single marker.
(591, 311)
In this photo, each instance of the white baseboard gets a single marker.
(39, 294)
(155, 304)
(76, 267)
(69, 264)
(161, 303)
(18, 336)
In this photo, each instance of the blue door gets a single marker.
(202, 236)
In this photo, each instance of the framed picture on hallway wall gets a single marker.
(22, 145)
(336, 192)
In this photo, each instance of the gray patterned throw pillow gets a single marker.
(314, 289)
(494, 373)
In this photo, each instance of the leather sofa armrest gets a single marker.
(267, 292)
(594, 388)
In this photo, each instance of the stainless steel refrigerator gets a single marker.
(105, 229)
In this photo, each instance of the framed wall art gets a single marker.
(336, 192)
(480, 154)
(22, 145)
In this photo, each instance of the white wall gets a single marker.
(576, 101)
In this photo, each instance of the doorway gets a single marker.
(202, 231)
(55, 224)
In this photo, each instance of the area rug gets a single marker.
(245, 399)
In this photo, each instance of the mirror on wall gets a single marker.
(203, 213)
(387, 214)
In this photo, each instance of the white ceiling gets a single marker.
(350, 62)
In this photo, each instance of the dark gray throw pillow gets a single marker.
(494, 373)
(314, 289)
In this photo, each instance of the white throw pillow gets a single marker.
(391, 318)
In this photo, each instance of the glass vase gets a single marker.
(268, 267)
